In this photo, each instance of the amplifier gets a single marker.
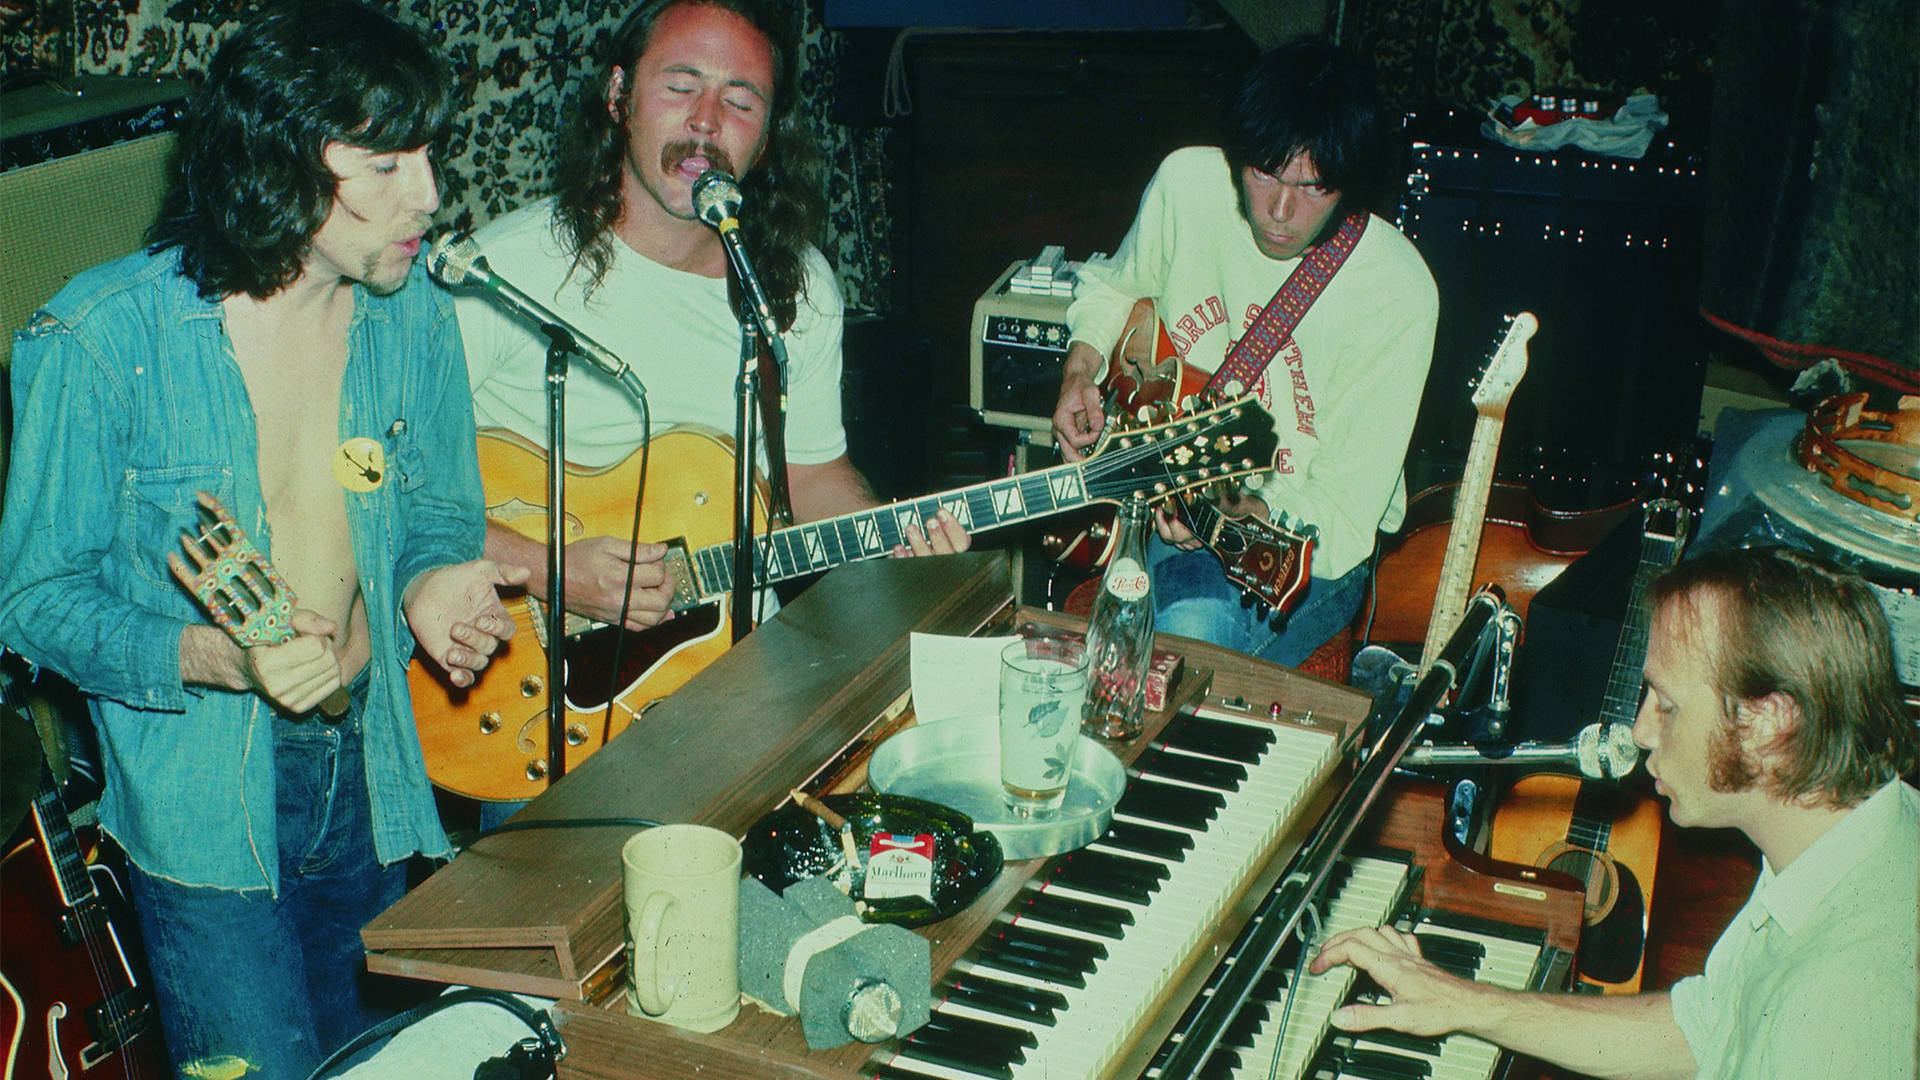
(83, 166)
(1018, 341)
(1606, 252)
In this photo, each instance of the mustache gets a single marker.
(675, 153)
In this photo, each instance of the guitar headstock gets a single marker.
(1269, 563)
(1230, 440)
(1505, 367)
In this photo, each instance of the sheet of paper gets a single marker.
(955, 677)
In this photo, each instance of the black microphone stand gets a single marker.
(746, 430)
(559, 344)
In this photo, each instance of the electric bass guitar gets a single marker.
(73, 1001)
(1147, 382)
(488, 741)
(1604, 833)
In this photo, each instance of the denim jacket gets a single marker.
(127, 401)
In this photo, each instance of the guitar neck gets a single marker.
(63, 850)
(1463, 540)
(1659, 548)
(869, 534)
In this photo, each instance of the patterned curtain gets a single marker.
(517, 60)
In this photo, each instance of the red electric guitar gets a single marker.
(73, 998)
(1147, 383)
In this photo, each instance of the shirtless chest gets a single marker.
(293, 383)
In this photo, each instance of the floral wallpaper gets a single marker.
(516, 60)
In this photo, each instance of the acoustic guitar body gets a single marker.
(1523, 547)
(490, 741)
(1607, 836)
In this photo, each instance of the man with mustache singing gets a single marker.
(273, 349)
(619, 253)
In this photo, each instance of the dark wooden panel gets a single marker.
(1023, 140)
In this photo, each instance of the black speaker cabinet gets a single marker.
(1561, 671)
(1606, 252)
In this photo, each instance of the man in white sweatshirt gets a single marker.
(1219, 230)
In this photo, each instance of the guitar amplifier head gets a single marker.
(1018, 341)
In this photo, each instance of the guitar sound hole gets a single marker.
(1602, 886)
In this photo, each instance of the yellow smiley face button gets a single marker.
(360, 464)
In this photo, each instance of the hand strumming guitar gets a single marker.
(1079, 417)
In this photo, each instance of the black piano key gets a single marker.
(1002, 1041)
(965, 1059)
(1012, 1000)
(1223, 1064)
(1170, 804)
(1087, 872)
(1047, 943)
(1032, 964)
(1439, 947)
(1207, 772)
(1242, 1028)
(1412, 1044)
(980, 1055)
(1237, 742)
(973, 1027)
(1383, 1065)
(895, 1072)
(1169, 844)
(1087, 916)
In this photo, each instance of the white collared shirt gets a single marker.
(1816, 976)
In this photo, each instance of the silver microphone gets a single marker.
(716, 201)
(1596, 753)
(455, 260)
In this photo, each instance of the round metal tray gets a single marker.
(956, 763)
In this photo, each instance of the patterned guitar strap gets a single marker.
(1250, 355)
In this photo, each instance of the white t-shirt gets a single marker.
(1815, 976)
(1349, 383)
(676, 329)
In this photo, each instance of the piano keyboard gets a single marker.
(1365, 892)
(1058, 987)
(1314, 1049)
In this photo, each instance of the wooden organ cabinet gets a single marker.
(1231, 780)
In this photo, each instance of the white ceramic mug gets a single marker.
(683, 925)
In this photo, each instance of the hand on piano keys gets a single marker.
(1426, 998)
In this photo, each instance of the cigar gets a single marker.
(848, 849)
(818, 809)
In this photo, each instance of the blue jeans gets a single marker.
(275, 984)
(1193, 598)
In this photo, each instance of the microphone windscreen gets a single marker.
(452, 258)
(716, 197)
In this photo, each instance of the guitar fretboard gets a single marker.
(870, 534)
(1661, 539)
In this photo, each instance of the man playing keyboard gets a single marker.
(1772, 708)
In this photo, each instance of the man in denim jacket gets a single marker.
(273, 350)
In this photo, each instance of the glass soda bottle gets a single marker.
(1120, 632)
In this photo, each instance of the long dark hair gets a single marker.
(783, 190)
(1309, 96)
(250, 187)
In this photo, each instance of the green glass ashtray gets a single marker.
(791, 844)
